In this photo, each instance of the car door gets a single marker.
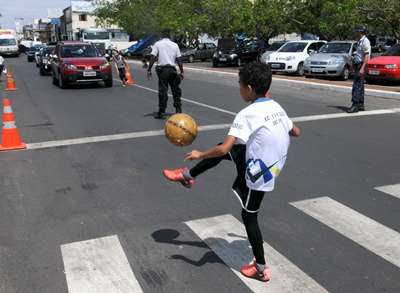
(200, 52)
(210, 50)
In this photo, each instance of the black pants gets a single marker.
(358, 87)
(168, 76)
(122, 74)
(250, 199)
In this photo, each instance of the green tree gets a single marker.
(382, 17)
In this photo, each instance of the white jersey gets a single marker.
(264, 127)
(166, 51)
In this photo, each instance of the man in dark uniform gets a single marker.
(167, 54)
(360, 62)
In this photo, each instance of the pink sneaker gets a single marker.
(250, 271)
(176, 175)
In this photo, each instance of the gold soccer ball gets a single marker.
(181, 130)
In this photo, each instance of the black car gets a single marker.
(203, 52)
(44, 60)
(31, 53)
(229, 52)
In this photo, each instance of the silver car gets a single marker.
(333, 59)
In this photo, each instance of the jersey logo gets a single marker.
(257, 169)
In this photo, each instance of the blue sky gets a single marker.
(27, 9)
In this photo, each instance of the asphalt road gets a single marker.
(56, 196)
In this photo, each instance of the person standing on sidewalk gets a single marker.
(168, 54)
(360, 62)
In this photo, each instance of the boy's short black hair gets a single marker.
(257, 75)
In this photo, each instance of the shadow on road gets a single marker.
(170, 236)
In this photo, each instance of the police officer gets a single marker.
(167, 54)
(360, 61)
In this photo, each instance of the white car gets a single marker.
(291, 56)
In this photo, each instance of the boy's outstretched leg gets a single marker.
(257, 269)
(187, 177)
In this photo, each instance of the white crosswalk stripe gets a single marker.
(98, 266)
(379, 239)
(393, 190)
(225, 235)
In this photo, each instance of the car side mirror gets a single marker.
(312, 52)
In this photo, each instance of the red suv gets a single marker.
(77, 62)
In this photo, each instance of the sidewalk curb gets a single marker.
(304, 84)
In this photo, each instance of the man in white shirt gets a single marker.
(167, 54)
(360, 62)
(257, 143)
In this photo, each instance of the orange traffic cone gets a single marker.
(128, 75)
(10, 84)
(9, 73)
(10, 137)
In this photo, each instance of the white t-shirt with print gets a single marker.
(264, 127)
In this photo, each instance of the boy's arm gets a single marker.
(295, 132)
(217, 151)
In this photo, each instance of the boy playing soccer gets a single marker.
(257, 143)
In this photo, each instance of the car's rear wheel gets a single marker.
(346, 73)
(191, 59)
(41, 71)
(215, 64)
(300, 69)
(108, 82)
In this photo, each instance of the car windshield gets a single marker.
(77, 51)
(275, 46)
(48, 50)
(335, 48)
(294, 47)
(7, 42)
(96, 36)
(394, 51)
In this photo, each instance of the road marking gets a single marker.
(112, 137)
(225, 235)
(366, 232)
(150, 133)
(98, 266)
(393, 190)
(191, 101)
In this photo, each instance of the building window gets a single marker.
(83, 17)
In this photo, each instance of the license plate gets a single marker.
(318, 70)
(374, 72)
(222, 59)
(275, 65)
(89, 73)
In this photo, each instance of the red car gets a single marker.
(385, 67)
(79, 62)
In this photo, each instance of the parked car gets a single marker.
(291, 56)
(385, 67)
(333, 59)
(77, 62)
(275, 46)
(229, 52)
(203, 52)
(31, 52)
(44, 60)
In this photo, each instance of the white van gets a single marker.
(8, 43)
